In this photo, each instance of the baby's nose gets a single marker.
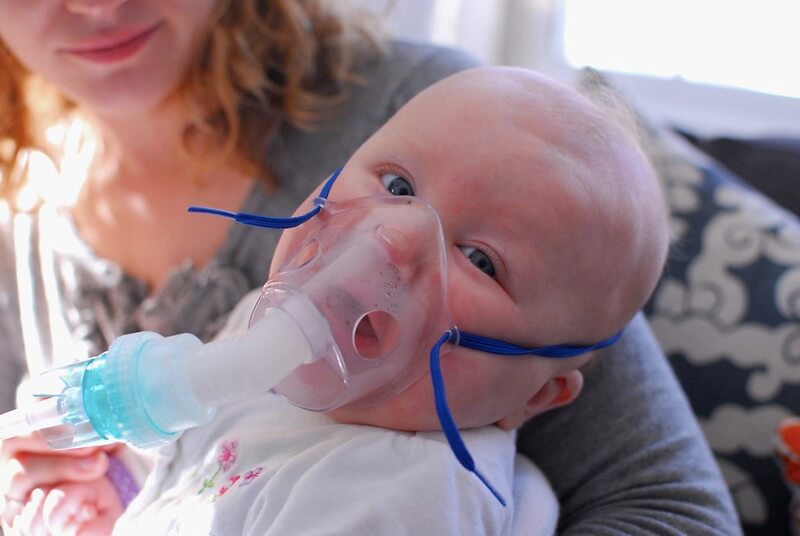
(398, 242)
(412, 240)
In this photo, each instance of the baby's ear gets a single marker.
(559, 390)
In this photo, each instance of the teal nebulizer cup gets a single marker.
(147, 389)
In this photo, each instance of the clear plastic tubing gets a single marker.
(146, 389)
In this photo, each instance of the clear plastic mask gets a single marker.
(376, 269)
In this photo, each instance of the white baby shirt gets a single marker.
(266, 467)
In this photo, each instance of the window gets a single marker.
(713, 67)
(732, 43)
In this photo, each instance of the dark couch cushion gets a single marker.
(726, 311)
(726, 314)
(771, 165)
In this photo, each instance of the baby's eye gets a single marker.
(396, 184)
(480, 259)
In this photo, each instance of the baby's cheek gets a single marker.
(465, 307)
(472, 391)
(487, 388)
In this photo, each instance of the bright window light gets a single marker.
(736, 43)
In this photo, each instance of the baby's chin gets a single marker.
(387, 417)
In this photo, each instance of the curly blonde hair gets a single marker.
(263, 61)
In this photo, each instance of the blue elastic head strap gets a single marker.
(456, 337)
(494, 346)
(274, 223)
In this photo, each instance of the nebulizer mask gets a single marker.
(356, 313)
(374, 271)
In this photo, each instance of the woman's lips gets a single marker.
(114, 47)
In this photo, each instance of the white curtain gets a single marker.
(508, 32)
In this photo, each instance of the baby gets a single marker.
(555, 233)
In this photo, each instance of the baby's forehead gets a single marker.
(512, 142)
(512, 115)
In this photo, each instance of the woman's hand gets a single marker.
(45, 491)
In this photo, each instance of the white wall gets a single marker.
(528, 33)
(712, 111)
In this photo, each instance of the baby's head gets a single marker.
(554, 226)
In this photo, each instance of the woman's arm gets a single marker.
(628, 457)
(12, 366)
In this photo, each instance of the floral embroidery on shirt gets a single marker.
(251, 475)
(227, 456)
(225, 460)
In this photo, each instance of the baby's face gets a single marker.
(512, 220)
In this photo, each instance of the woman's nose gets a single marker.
(92, 7)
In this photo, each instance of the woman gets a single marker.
(244, 105)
